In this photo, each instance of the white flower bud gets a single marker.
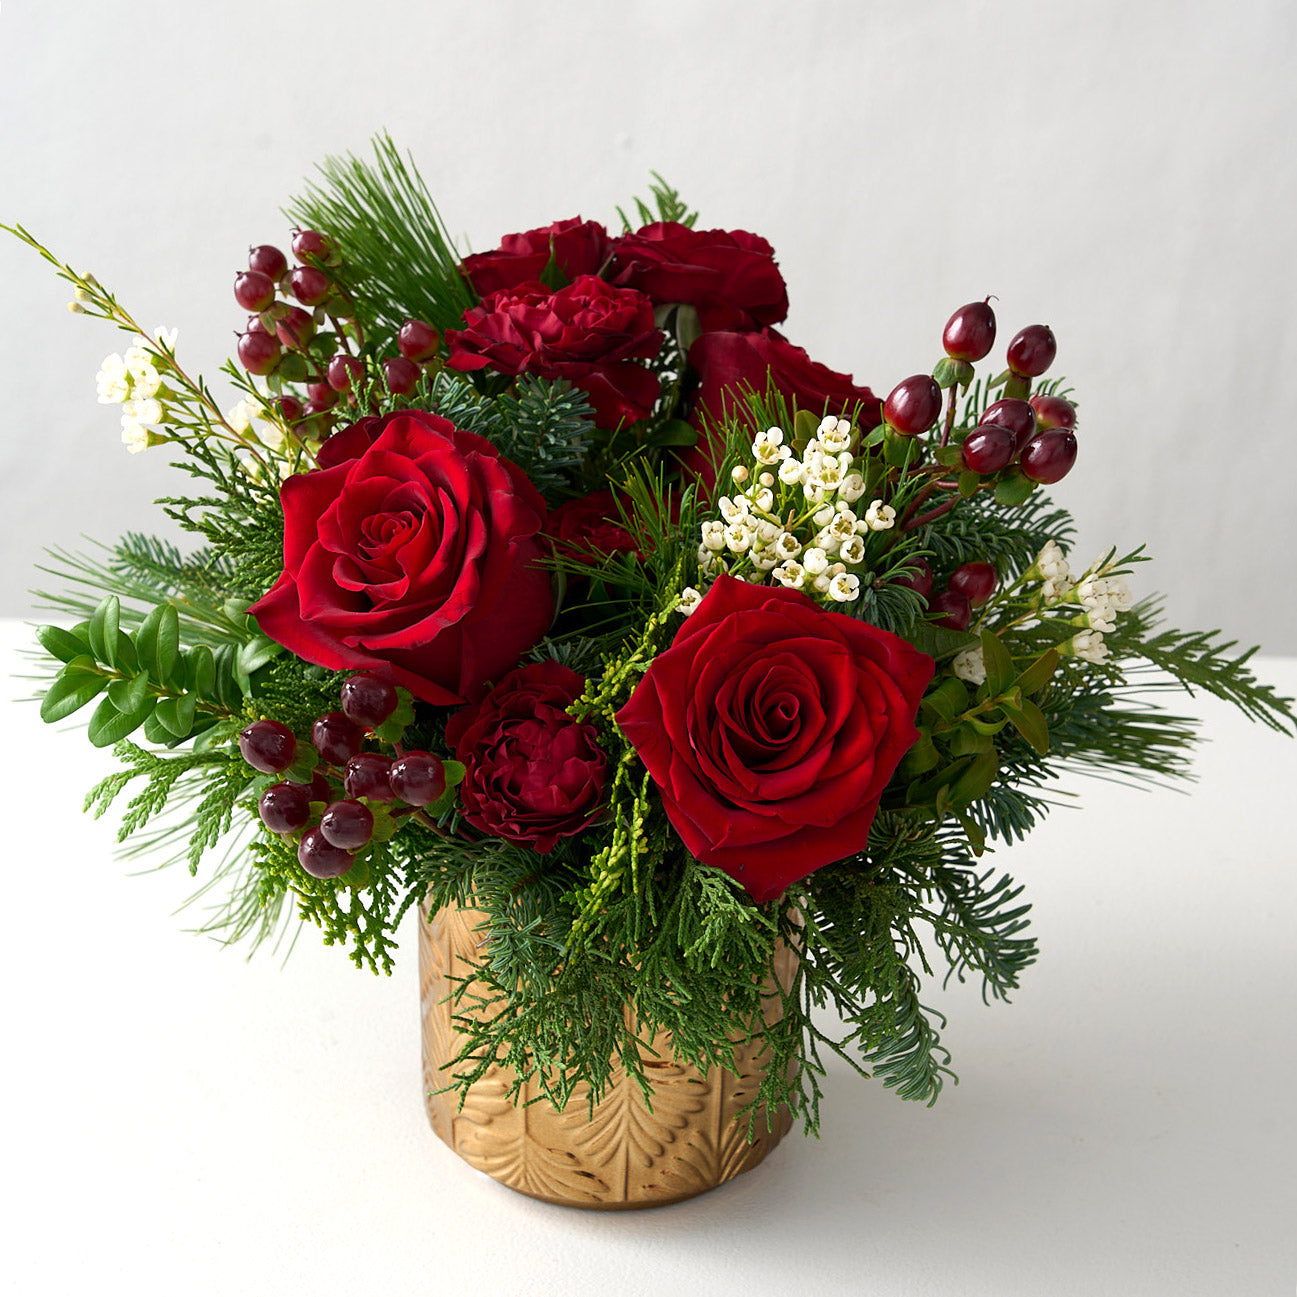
(135, 437)
(969, 665)
(822, 517)
(1089, 645)
(145, 411)
(815, 560)
(767, 479)
(739, 474)
(714, 535)
(767, 531)
(791, 471)
(821, 583)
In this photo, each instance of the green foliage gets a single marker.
(667, 206)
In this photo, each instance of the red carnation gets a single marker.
(589, 333)
(771, 727)
(534, 773)
(577, 247)
(412, 551)
(590, 527)
(729, 276)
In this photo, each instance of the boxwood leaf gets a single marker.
(109, 726)
(72, 688)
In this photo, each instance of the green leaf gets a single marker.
(976, 779)
(949, 371)
(158, 643)
(921, 758)
(292, 367)
(673, 432)
(103, 629)
(983, 725)
(999, 664)
(176, 715)
(898, 450)
(940, 641)
(967, 740)
(948, 456)
(688, 328)
(385, 823)
(948, 699)
(129, 695)
(393, 727)
(200, 671)
(256, 653)
(1039, 673)
(72, 688)
(454, 772)
(1014, 489)
(969, 484)
(1030, 722)
(109, 725)
(805, 426)
(60, 643)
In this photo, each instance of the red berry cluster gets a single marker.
(328, 847)
(966, 588)
(281, 340)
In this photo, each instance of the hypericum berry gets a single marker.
(368, 775)
(323, 397)
(1032, 350)
(285, 808)
(290, 407)
(336, 738)
(970, 332)
(344, 370)
(320, 858)
(401, 375)
(976, 581)
(913, 405)
(1049, 455)
(266, 259)
(254, 291)
(989, 448)
(258, 353)
(318, 790)
(418, 341)
(309, 285)
(418, 778)
(1053, 411)
(954, 608)
(368, 700)
(922, 582)
(268, 746)
(311, 243)
(1016, 415)
(295, 328)
(348, 825)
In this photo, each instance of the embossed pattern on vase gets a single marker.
(626, 1156)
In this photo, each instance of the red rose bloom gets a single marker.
(771, 727)
(534, 773)
(729, 276)
(412, 552)
(728, 364)
(589, 527)
(589, 333)
(578, 248)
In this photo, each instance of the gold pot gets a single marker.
(623, 1157)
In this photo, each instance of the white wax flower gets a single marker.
(738, 538)
(689, 600)
(135, 437)
(141, 411)
(851, 488)
(1089, 645)
(789, 573)
(844, 588)
(739, 474)
(714, 535)
(969, 665)
(787, 545)
(815, 560)
(853, 550)
(880, 516)
(791, 471)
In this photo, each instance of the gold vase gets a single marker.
(623, 1157)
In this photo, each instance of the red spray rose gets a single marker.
(729, 363)
(771, 727)
(588, 527)
(578, 248)
(412, 552)
(730, 276)
(534, 773)
(589, 333)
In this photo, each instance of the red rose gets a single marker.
(578, 248)
(589, 527)
(589, 333)
(412, 552)
(534, 773)
(727, 364)
(730, 276)
(771, 727)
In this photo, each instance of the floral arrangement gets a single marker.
(555, 581)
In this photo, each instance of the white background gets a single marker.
(1123, 171)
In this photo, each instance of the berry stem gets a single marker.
(932, 515)
(950, 414)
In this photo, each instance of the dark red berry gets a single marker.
(976, 581)
(258, 352)
(266, 259)
(401, 375)
(290, 407)
(311, 243)
(367, 775)
(309, 285)
(348, 825)
(254, 291)
(368, 700)
(336, 738)
(1053, 411)
(989, 448)
(1049, 455)
(318, 790)
(295, 328)
(1016, 415)
(1032, 350)
(970, 332)
(285, 808)
(268, 746)
(344, 370)
(323, 397)
(954, 609)
(418, 778)
(922, 580)
(913, 405)
(418, 341)
(320, 858)
(256, 324)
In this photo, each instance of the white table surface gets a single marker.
(178, 1120)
